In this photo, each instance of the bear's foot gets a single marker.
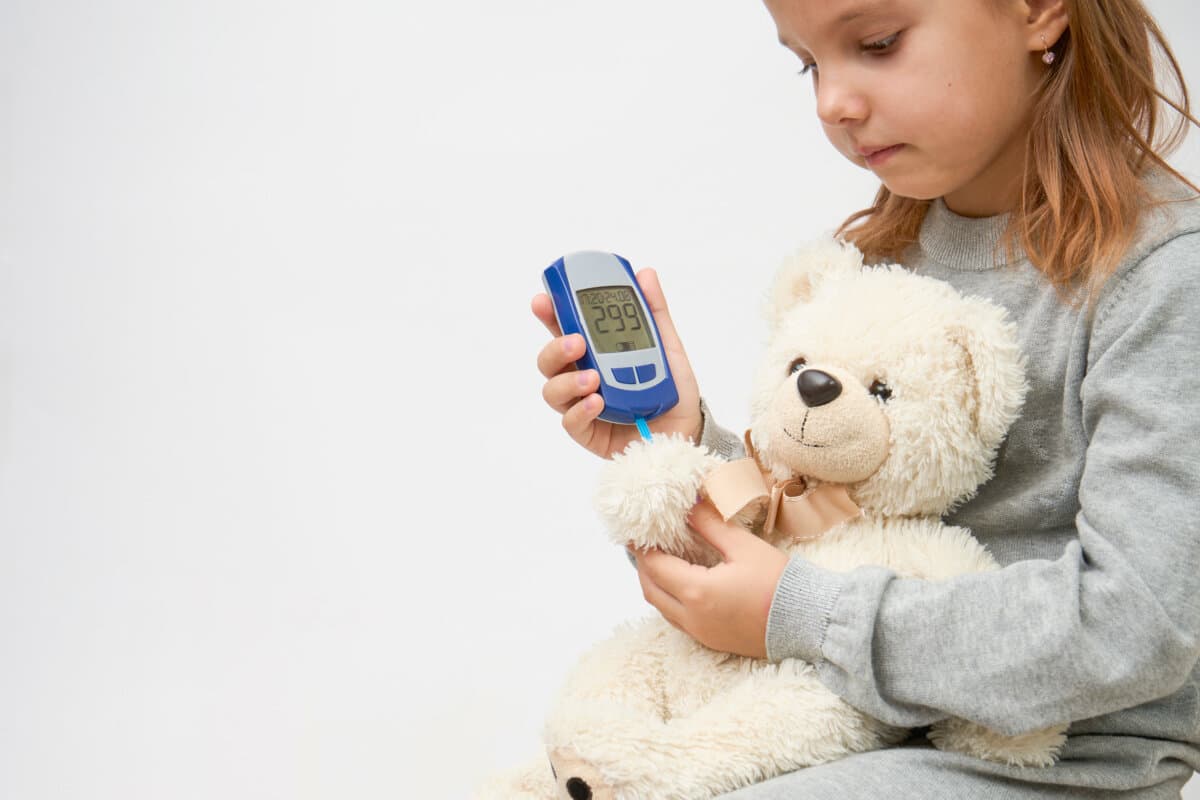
(576, 779)
(1034, 749)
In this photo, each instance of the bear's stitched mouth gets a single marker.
(800, 439)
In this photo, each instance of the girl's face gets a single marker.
(933, 96)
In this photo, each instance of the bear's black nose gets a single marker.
(817, 388)
(578, 789)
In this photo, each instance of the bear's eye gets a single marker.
(880, 390)
(796, 366)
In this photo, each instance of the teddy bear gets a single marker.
(879, 405)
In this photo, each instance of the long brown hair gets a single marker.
(1096, 132)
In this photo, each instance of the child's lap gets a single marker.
(921, 772)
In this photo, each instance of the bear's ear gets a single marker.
(802, 272)
(995, 369)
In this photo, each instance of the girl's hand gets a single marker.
(573, 393)
(723, 607)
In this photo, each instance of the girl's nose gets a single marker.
(839, 103)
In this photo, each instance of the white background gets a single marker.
(282, 514)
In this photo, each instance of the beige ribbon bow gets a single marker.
(802, 515)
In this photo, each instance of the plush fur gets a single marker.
(927, 384)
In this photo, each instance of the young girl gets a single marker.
(1020, 146)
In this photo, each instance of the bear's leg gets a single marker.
(613, 704)
(773, 719)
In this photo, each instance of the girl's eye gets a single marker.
(877, 47)
(880, 389)
(882, 45)
(796, 366)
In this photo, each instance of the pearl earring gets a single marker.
(1047, 56)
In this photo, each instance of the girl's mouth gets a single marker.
(875, 158)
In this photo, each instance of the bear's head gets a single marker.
(885, 381)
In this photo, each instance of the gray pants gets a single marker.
(1089, 768)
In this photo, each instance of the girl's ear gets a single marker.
(1045, 23)
(802, 272)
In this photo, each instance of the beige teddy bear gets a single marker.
(879, 406)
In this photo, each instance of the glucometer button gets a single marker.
(645, 373)
(624, 375)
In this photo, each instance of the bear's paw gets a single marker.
(646, 492)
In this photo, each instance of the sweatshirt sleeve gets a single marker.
(1112, 623)
(718, 440)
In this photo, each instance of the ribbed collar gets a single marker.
(966, 244)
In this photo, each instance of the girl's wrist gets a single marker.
(698, 433)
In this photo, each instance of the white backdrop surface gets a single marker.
(282, 514)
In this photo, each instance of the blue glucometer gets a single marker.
(596, 295)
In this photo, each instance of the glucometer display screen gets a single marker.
(614, 319)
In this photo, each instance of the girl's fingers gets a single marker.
(579, 420)
(672, 574)
(560, 354)
(563, 391)
(543, 309)
(667, 605)
(705, 520)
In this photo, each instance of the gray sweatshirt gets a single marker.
(1094, 513)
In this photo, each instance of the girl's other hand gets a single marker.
(574, 393)
(725, 607)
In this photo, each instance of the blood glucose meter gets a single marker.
(596, 295)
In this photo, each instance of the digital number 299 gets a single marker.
(619, 314)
